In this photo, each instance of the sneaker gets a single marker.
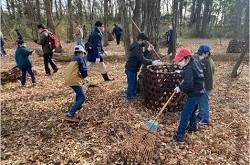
(48, 74)
(33, 84)
(203, 123)
(178, 139)
(190, 130)
(71, 119)
(55, 70)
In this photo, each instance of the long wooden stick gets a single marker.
(141, 32)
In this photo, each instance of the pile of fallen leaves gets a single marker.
(32, 130)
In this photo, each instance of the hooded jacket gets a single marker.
(194, 83)
(44, 41)
(76, 71)
(22, 57)
(136, 58)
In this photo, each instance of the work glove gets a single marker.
(178, 71)
(150, 47)
(85, 80)
(177, 90)
(97, 60)
(156, 62)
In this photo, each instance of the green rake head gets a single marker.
(152, 125)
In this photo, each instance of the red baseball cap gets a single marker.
(183, 52)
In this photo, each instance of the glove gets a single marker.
(97, 60)
(178, 71)
(177, 90)
(150, 47)
(156, 62)
(85, 80)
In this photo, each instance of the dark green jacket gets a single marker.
(208, 72)
(22, 58)
(44, 41)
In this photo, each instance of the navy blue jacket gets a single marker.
(117, 31)
(194, 82)
(169, 34)
(136, 58)
(95, 39)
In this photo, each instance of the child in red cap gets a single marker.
(194, 87)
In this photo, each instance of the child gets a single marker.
(24, 63)
(75, 72)
(135, 59)
(194, 87)
(204, 110)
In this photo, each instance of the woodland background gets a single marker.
(32, 130)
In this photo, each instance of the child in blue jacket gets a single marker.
(24, 63)
(76, 71)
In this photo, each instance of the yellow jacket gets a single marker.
(76, 71)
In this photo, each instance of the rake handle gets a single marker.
(165, 105)
(148, 42)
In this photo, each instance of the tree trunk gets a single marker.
(234, 72)
(125, 23)
(106, 12)
(180, 11)
(175, 24)
(192, 16)
(70, 21)
(198, 17)
(237, 19)
(80, 12)
(136, 18)
(205, 19)
(38, 14)
(48, 11)
(60, 8)
(152, 20)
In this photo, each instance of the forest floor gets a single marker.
(32, 130)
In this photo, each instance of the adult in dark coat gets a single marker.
(117, 31)
(47, 52)
(95, 56)
(169, 35)
(135, 59)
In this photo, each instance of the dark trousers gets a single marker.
(170, 48)
(118, 39)
(47, 58)
(31, 73)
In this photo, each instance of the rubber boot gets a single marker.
(106, 78)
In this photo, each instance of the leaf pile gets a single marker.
(32, 130)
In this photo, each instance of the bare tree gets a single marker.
(136, 18)
(48, 11)
(125, 23)
(106, 12)
(70, 21)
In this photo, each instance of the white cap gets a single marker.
(79, 48)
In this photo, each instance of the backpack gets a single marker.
(53, 41)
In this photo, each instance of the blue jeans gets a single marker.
(204, 110)
(80, 98)
(80, 42)
(188, 115)
(31, 73)
(132, 84)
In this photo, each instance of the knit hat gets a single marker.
(98, 24)
(20, 42)
(204, 48)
